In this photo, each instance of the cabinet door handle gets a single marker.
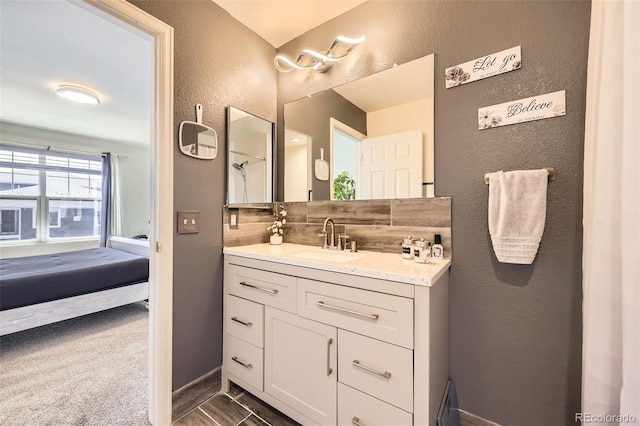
(355, 421)
(266, 290)
(349, 311)
(247, 366)
(246, 324)
(329, 370)
(356, 363)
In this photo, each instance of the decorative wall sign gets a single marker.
(529, 109)
(487, 66)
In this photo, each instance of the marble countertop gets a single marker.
(384, 266)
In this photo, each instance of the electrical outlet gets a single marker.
(233, 218)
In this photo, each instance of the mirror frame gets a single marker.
(181, 132)
(262, 205)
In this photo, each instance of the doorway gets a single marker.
(344, 177)
(297, 174)
(161, 235)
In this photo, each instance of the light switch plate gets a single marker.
(188, 221)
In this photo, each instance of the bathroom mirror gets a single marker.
(376, 133)
(249, 159)
(197, 140)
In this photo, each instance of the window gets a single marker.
(9, 222)
(47, 195)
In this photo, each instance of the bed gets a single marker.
(39, 290)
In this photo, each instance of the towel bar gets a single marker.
(550, 170)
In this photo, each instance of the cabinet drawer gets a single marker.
(264, 287)
(356, 408)
(244, 360)
(377, 368)
(245, 319)
(382, 316)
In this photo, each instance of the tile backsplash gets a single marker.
(376, 225)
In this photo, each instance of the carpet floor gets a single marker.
(90, 370)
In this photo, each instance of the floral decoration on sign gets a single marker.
(456, 76)
(486, 119)
(278, 223)
(559, 110)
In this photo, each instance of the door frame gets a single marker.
(161, 238)
(344, 128)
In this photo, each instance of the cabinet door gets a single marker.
(300, 364)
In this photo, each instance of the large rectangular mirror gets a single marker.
(374, 135)
(249, 158)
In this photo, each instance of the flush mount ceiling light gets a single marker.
(320, 62)
(78, 94)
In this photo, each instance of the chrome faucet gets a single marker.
(332, 241)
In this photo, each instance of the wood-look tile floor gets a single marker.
(236, 408)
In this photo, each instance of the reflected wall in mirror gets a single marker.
(376, 133)
(249, 158)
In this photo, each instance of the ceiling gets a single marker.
(279, 21)
(48, 43)
(409, 82)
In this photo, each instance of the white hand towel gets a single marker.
(517, 212)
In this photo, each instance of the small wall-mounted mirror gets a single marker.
(250, 158)
(197, 140)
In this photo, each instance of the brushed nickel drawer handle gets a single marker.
(247, 366)
(355, 421)
(349, 311)
(266, 290)
(329, 370)
(246, 324)
(356, 363)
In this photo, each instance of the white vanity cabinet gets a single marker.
(330, 347)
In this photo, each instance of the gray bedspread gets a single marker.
(36, 279)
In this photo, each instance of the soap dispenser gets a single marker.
(420, 251)
(407, 248)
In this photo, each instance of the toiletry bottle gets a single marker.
(427, 251)
(419, 251)
(407, 248)
(437, 251)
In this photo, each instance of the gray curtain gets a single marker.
(105, 213)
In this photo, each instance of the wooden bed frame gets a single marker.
(26, 317)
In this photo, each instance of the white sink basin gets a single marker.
(322, 255)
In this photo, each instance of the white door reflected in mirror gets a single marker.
(391, 166)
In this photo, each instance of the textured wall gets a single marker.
(218, 62)
(515, 348)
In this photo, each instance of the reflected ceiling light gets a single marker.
(78, 94)
(320, 62)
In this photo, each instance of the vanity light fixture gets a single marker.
(78, 94)
(320, 62)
